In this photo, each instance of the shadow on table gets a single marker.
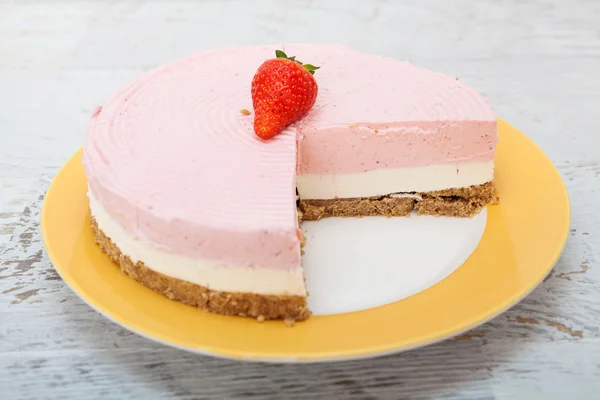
(448, 369)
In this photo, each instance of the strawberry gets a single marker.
(283, 91)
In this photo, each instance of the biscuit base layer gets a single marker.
(460, 202)
(262, 307)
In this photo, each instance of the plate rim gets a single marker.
(366, 352)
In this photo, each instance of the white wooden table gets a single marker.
(539, 63)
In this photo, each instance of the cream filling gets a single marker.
(394, 180)
(208, 273)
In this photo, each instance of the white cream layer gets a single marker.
(207, 273)
(394, 180)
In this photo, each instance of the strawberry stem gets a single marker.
(309, 67)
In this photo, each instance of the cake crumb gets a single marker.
(260, 318)
(245, 112)
(289, 322)
(169, 293)
(495, 200)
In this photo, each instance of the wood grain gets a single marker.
(537, 61)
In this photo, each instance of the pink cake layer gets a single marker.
(367, 146)
(175, 162)
(376, 112)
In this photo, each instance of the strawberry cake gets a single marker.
(191, 201)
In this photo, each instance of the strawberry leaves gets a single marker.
(309, 67)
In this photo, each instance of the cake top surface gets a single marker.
(360, 88)
(172, 151)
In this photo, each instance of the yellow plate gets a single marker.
(523, 239)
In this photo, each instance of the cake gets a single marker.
(189, 202)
